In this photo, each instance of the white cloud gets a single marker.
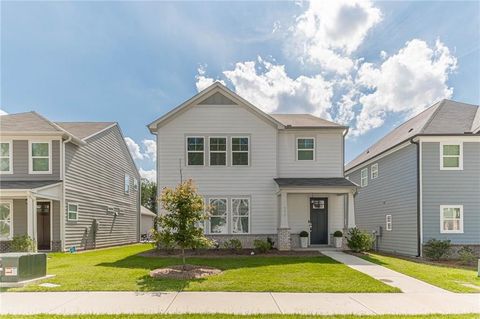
(134, 149)
(151, 175)
(406, 82)
(2, 112)
(202, 81)
(150, 147)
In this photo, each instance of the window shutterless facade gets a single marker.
(451, 219)
(40, 157)
(374, 171)
(6, 163)
(72, 211)
(218, 216)
(240, 150)
(240, 215)
(6, 213)
(305, 149)
(218, 151)
(195, 150)
(364, 177)
(388, 222)
(451, 156)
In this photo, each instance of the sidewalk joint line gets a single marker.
(276, 303)
(368, 308)
(171, 302)
(64, 303)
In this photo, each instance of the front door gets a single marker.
(43, 225)
(319, 221)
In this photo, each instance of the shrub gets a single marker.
(466, 255)
(303, 233)
(337, 234)
(271, 242)
(359, 241)
(262, 246)
(22, 244)
(436, 249)
(233, 244)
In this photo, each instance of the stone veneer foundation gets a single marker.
(246, 240)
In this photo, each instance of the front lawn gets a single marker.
(449, 278)
(121, 268)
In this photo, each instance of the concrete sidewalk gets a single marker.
(237, 303)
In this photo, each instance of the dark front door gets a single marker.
(43, 225)
(319, 221)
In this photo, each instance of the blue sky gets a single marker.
(367, 64)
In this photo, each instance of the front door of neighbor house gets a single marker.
(319, 221)
(44, 212)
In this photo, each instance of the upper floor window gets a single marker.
(6, 157)
(135, 184)
(374, 171)
(127, 184)
(40, 158)
(305, 149)
(218, 151)
(451, 157)
(364, 177)
(195, 150)
(240, 149)
(451, 218)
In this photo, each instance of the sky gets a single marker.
(369, 65)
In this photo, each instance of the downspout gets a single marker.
(63, 204)
(419, 246)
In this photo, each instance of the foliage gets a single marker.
(180, 226)
(22, 244)
(303, 233)
(262, 246)
(149, 195)
(358, 240)
(271, 242)
(337, 234)
(466, 255)
(436, 249)
(234, 245)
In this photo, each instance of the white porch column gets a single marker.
(284, 240)
(351, 210)
(284, 210)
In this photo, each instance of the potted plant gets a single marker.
(303, 239)
(338, 239)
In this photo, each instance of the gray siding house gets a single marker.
(422, 181)
(266, 175)
(66, 184)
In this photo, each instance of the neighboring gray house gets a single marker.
(66, 184)
(422, 181)
(147, 218)
(266, 175)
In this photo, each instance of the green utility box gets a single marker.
(15, 267)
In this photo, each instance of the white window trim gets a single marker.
(209, 151)
(233, 215)
(305, 149)
(126, 184)
(30, 158)
(10, 236)
(226, 216)
(68, 212)
(460, 157)
(388, 222)
(372, 170)
(442, 231)
(135, 184)
(10, 157)
(232, 151)
(366, 177)
(187, 151)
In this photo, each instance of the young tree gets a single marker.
(149, 195)
(185, 210)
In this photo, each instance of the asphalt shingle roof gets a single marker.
(84, 129)
(304, 120)
(25, 184)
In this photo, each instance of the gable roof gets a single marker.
(305, 121)
(446, 117)
(147, 212)
(84, 130)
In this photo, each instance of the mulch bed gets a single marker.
(221, 253)
(189, 272)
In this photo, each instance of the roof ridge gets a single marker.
(434, 114)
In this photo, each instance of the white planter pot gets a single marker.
(304, 242)
(338, 242)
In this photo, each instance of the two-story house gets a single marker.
(422, 181)
(265, 175)
(66, 185)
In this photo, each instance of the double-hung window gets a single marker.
(6, 157)
(135, 184)
(72, 211)
(240, 215)
(40, 158)
(195, 150)
(364, 177)
(305, 149)
(240, 149)
(451, 218)
(218, 216)
(451, 157)
(6, 229)
(388, 222)
(374, 171)
(126, 185)
(218, 151)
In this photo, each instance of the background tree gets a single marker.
(149, 195)
(185, 211)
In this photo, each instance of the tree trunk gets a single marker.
(183, 258)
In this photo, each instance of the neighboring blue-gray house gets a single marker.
(422, 181)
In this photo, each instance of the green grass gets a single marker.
(121, 268)
(445, 277)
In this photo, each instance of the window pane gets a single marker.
(72, 208)
(195, 158)
(39, 149)
(218, 225)
(218, 144)
(451, 149)
(305, 155)
(305, 143)
(4, 149)
(240, 207)
(4, 211)
(240, 144)
(72, 215)
(4, 164)
(218, 159)
(40, 164)
(240, 225)
(240, 158)
(219, 207)
(451, 225)
(195, 143)
(4, 229)
(451, 162)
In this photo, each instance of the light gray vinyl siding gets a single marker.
(19, 217)
(95, 180)
(393, 192)
(451, 187)
(21, 160)
(56, 230)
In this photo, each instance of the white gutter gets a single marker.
(63, 210)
